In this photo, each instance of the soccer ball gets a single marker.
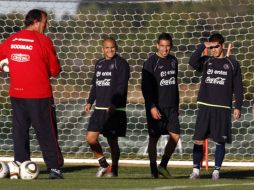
(14, 169)
(4, 65)
(29, 170)
(4, 170)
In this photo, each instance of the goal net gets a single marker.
(77, 28)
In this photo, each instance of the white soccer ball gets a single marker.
(14, 169)
(29, 170)
(4, 65)
(4, 170)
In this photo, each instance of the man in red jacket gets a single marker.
(32, 61)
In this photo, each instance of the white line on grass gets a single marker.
(202, 186)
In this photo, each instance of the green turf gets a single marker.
(83, 177)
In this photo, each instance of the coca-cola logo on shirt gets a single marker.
(104, 82)
(167, 82)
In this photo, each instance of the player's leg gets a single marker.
(43, 115)
(152, 154)
(20, 130)
(92, 140)
(220, 133)
(197, 158)
(219, 157)
(172, 127)
(115, 154)
(169, 150)
(200, 134)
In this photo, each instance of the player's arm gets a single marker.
(92, 95)
(238, 90)
(148, 85)
(120, 85)
(54, 64)
(197, 60)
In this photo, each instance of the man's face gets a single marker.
(109, 49)
(42, 25)
(217, 50)
(164, 47)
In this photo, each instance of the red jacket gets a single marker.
(32, 61)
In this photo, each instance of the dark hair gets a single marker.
(111, 39)
(165, 36)
(34, 15)
(216, 38)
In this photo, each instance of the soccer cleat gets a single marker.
(55, 174)
(164, 172)
(104, 171)
(194, 175)
(216, 175)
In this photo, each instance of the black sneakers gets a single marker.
(55, 174)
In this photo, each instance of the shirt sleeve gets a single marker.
(121, 84)
(54, 64)
(197, 60)
(92, 94)
(147, 85)
(238, 87)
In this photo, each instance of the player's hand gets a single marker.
(155, 113)
(88, 108)
(237, 113)
(211, 44)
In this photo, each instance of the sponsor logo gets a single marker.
(105, 82)
(165, 73)
(22, 40)
(19, 46)
(20, 57)
(217, 80)
(98, 74)
(209, 71)
(165, 82)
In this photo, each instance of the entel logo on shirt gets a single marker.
(20, 57)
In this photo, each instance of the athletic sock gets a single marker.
(96, 148)
(103, 162)
(197, 155)
(115, 170)
(164, 161)
(219, 155)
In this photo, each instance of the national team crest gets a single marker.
(226, 66)
(173, 64)
(111, 67)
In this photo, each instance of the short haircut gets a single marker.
(165, 36)
(34, 15)
(216, 38)
(110, 39)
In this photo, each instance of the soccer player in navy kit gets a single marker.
(161, 94)
(221, 79)
(109, 90)
(32, 61)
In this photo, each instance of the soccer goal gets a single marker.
(77, 28)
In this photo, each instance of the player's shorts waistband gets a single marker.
(213, 105)
(105, 108)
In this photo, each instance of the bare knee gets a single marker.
(91, 138)
(175, 137)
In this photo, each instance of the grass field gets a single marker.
(83, 177)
